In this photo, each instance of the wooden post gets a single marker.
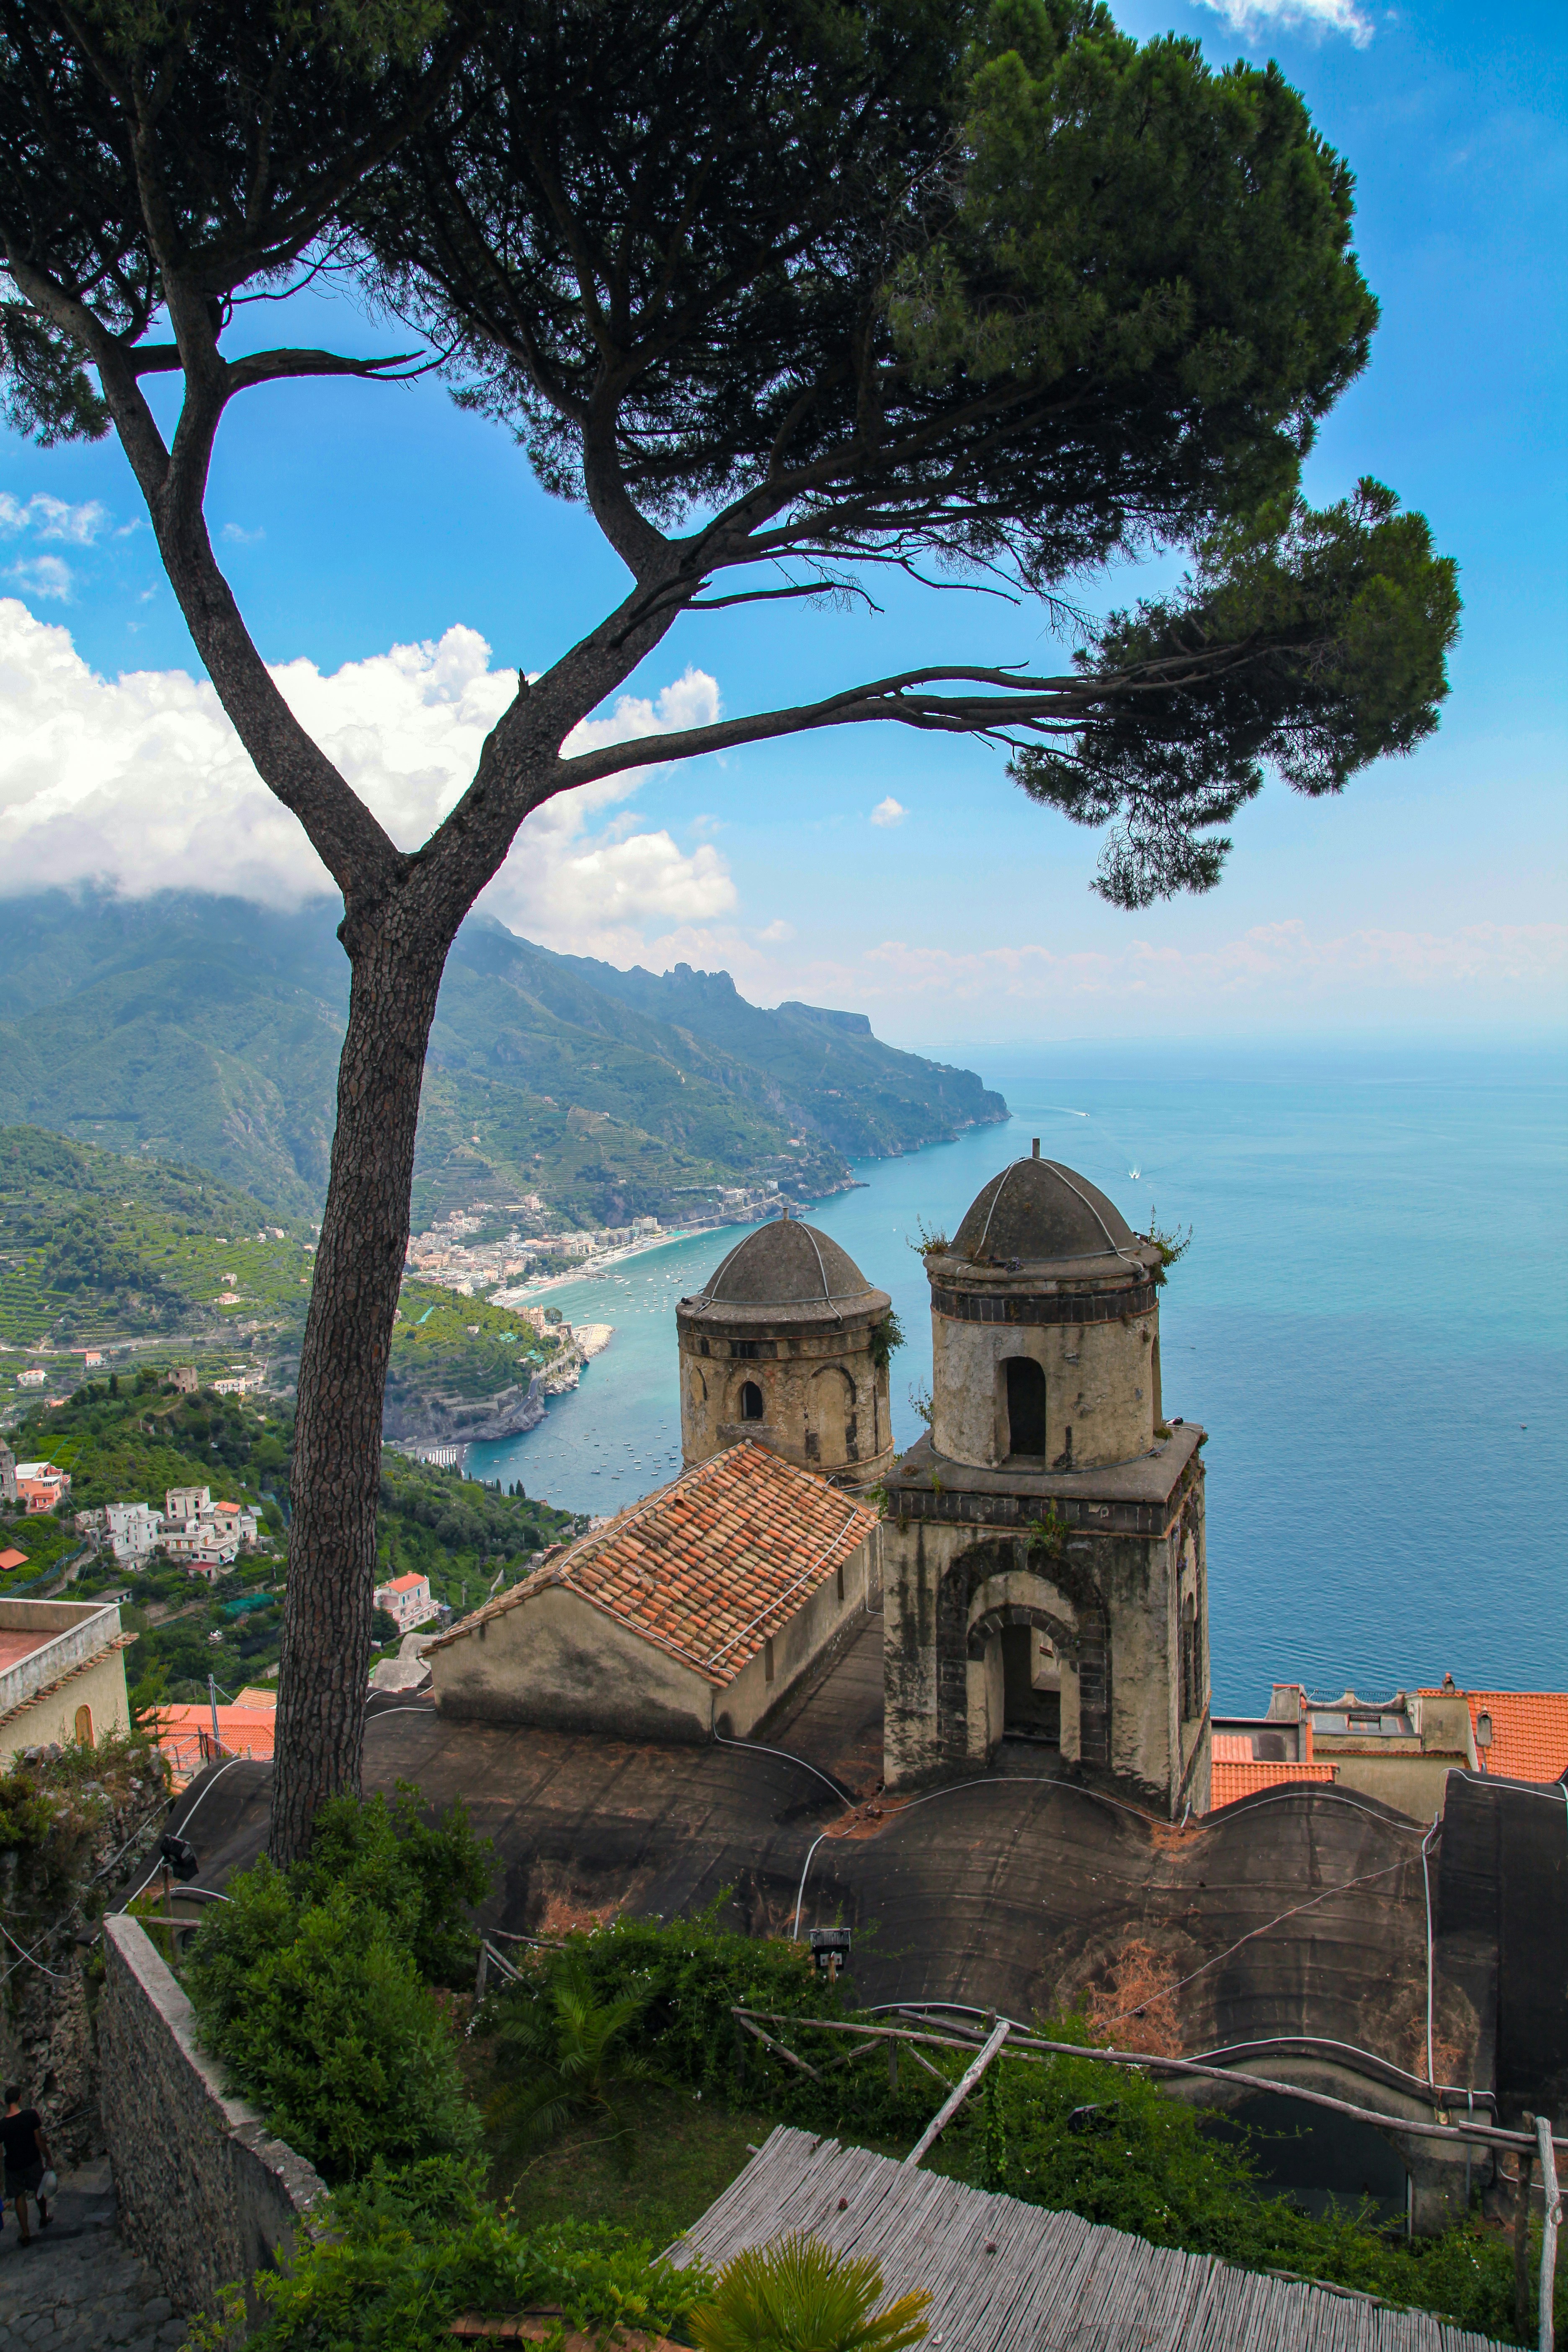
(892, 2066)
(1551, 2221)
(955, 2098)
(1521, 2239)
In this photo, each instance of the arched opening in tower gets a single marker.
(1031, 1685)
(1026, 1406)
(750, 1400)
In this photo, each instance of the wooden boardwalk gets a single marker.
(1011, 2277)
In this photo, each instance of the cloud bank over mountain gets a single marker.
(140, 782)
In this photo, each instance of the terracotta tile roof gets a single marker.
(13, 1559)
(1232, 1780)
(711, 1566)
(402, 1583)
(238, 1728)
(1530, 1732)
(1233, 1747)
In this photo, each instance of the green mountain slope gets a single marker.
(98, 1245)
(207, 1030)
(821, 1069)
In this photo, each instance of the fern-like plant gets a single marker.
(801, 2297)
(564, 2050)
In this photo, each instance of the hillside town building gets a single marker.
(62, 1673)
(1400, 1750)
(407, 1601)
(40, 1485)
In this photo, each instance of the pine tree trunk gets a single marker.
(342, 1376)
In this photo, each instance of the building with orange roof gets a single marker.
(198, 1734)
(696, 1610)
(408, 1601)
(1518, 1734)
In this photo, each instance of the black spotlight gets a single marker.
(178, 1856)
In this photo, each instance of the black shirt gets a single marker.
(18, 2139)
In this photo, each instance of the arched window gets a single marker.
(84, 1727)
(750, 1400)
(1026, 1406)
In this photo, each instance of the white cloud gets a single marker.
(53, 519)
(1249, 17)
(43, 575)
(236, 537)
(140, 782)
(889, 811)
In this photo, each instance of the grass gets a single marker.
(688, 2150)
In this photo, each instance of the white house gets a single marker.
(201, 1546)
(135, 1530)
(182, 1503)
(235, 1519)
(407, 1602)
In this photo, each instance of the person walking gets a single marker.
(26, 2154)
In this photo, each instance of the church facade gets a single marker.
(1043, 1552)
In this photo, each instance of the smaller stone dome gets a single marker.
(1037, 1212)
(790, 1265)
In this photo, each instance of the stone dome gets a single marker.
(788, 1265)
(1037, 1212)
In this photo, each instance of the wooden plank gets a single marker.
(1551, 2220)
(966, 2081)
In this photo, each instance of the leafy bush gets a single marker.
(393, 2257)
(1139, 2161)
(568, 2057)
(422, 1878)
(801, 2297)
(312, 1986)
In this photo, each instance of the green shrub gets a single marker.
(313, 1986)
(1134, 2158)
(423, 1878)
(393, 2257)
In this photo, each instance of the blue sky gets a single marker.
(355, 520)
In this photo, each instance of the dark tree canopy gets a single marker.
(792, 293)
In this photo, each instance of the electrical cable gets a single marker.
(755, 1748)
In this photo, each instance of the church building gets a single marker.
(1043, 1561)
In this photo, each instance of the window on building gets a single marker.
(750, 1400)
(84, 1727)
(1026, 1406)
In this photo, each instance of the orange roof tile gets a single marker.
(1232, 1780)
(402, 1583)
(1530, 1732)
(238, 1726)
(1233, 1747)
(711, 1566)
(13, 1559)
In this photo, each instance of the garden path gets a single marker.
(77, 2287)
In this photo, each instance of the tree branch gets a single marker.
(1041, 705)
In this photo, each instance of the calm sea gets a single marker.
(1369, 1322)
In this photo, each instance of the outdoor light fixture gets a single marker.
(177, 1855)
(830, 1951)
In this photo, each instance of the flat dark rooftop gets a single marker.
(1020, 1890)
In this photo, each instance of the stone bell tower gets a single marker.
(787, 1344)
(1043, 1559)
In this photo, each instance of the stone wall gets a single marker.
(205, 2194)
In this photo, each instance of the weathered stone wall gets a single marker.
(205, 2194)
(1098, 1350)
(557, 1661)
(754, 1695)
(825, 1395)
(1111, 1603)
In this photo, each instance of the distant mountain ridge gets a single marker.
(207, 1031)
